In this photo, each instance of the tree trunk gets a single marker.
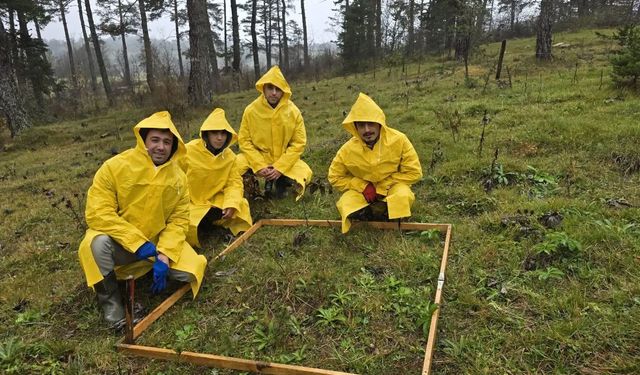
(39, 34)
(378, 26)
(512, 15)
(175, 14)
(279, 31)
(25, 43)
(125, 55)
(266, 18)
(491, 17)
(410, 28)
(148, 53)
(15, 53)
(87, 48)
(226, 38)
(254, 38)
(285, 42)
(10, 100)
(235, 29)
(543, 37)
(304, 31)
(213, 57)
(371, 43)
(72, 65)
(200, 83)
(96, 48)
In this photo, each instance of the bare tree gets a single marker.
(226, 38)
(118, 20)
(254, 38)
(176, 20)
(87, 48)
(410, 28)
(304, 30)
(285, 43)
(235, 30)
(148, 53)
(96, 48)
(63, 17)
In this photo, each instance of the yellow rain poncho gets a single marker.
(392, 165)
(214, 180)
(133, 201)
(274, 136)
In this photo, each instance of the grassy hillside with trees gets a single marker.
(538, 172)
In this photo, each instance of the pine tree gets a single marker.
(626, 61)
(119, 19)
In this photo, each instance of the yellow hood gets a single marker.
(159, 120)
(364, 109)
(218, 121)
(275, 77)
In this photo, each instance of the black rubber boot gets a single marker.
(110, 300)
(282, 184)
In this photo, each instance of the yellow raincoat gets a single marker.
(214, 180)
(133, 201)
(392, 165)
(274, 136)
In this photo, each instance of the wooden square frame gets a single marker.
(127, 345)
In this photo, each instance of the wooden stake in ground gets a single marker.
(128, 311)
(485, 121)
(503, 47)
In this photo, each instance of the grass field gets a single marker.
(526, 291)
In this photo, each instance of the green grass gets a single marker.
(313, 297)
(508, 307)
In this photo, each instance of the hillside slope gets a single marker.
(519, 297)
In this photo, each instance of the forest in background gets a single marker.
(224, 46)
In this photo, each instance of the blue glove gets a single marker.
(160, 271)
(147, 250)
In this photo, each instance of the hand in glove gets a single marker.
(160, 271)
(369, 193)
(147, 250)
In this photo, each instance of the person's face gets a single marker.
(272, 93)
(217, 138)
(368, 131)
(158, 144)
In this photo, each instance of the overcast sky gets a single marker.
(317, 11)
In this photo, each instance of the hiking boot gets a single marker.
(110, 300)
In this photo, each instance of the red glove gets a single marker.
(369, 193)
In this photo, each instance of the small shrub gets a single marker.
(626, 62)
(558, 243)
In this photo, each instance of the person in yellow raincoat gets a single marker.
(215, 184)
(377, 165)
(138, 213)
(272, 136)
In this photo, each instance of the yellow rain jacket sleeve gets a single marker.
(275, 136)
(133, 201)
(214, 180)
(392, 161)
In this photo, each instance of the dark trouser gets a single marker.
(376, 211)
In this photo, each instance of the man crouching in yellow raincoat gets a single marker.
(138, 213)
(378, 164)
(215, 184)
(272, 136)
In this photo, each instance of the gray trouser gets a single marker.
(108, 254)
